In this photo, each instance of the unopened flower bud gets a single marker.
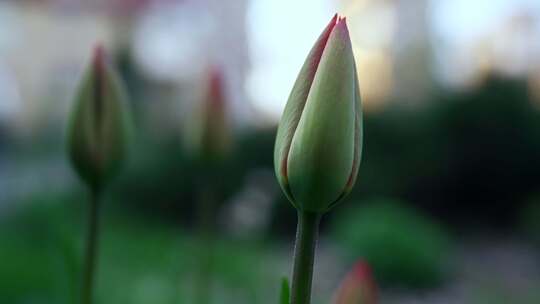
(209, 136)
(99, 124)
(319, 139)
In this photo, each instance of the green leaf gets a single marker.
(284, 294)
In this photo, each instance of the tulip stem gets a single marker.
(206, 231)
(304, 254)
(90, 258)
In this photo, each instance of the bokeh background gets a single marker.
(447, 205)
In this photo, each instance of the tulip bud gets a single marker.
(209, 135)
(99, 123)
(358, 287)
(318, 143)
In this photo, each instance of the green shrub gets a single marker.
(403, 246)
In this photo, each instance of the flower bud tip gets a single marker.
(358, 286)
(99, 57)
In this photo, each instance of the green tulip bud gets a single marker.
(99, 124)
(208, 133)
(319, 138)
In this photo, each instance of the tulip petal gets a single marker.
(358, 135)
(295, 105)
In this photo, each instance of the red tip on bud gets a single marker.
(358, 287)
(215, 89)
(99, 50)
(342, 29)
(319, 48)
(362, 270)
(208, 132)
(99, 57)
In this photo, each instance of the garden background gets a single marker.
(446, 208)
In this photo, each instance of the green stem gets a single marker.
(206, 214)
(304, 255)
(90, 259)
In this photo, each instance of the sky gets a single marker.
(281, 33)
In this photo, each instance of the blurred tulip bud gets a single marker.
(99, 124)
(358, 287)
(319, 139)
(209, 135)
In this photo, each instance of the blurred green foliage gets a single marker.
(474, 151)
(37, 252)
(470, 158)
(403, 246)
(141, 260)
(162, 179)
(467, 158)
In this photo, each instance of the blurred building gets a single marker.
(43, 52)
(412, 52)
(46, 44)
(178, 42)
(475, 38)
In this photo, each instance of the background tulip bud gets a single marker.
(209, 135)
(99, 123)
(318, 144)
(358, 287)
